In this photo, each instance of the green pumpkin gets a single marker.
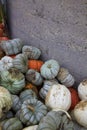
(55, 121)
(32, 111)
(12, 47)
(50, 69)
(13, 80)
(16, 103)
(27, 94)
(5, 101)
(31, 52)
(21, 63)
(34, 77)
(12, 124)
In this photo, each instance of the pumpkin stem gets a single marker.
(31, 108)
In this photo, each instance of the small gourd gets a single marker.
(16, 103)
(12, 47)
(31, 52)
(65, 77)
(58, 97)
(82, 90)
(5, 101)
(32, 111)
(6, 63)
(46, 86)
(27, 94)
(2, 54)
(13, 80)
(35, 64)
(34, 127)
(50, 69)
(55, 120)
(21, 62)
(34, 77)
(12, 124)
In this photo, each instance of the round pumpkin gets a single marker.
(12, 124)
(5, 101)
(27, 94)
(46, 86)
(32, 111)
(35, 64)
(13, 80)
(31, 52)
(50, 69)
(34, 77)
(55, 121)
(65, 77)
(21, 62)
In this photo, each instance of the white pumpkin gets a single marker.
(82, 90)
(58, 97)
(65, 77)
(31, 127)
(6, 63)
(80, 113)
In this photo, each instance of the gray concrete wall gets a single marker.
(57, 27)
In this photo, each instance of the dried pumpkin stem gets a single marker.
(31, 108)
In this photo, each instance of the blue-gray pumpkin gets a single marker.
(50, 69)
(13, 80)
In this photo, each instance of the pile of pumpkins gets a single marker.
(36, 94)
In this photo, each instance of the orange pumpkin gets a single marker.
(74, 97)
(31, 86)
(35, 64)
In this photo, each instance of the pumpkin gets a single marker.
(32, 111)
(12, 47)
(16, 103)
(49, 69)
(4, 38)
(82, 90)
(65, 77)
(12, 124)
(80, 113)
(58, 97)
(27, 94)
(5, 101)
(35, 64)
(34, 77)
(2, 54)
(13, 80)
(55, 121)
(31, 52)
(32, 87)
(21, 62)
(74, 97)
(34, 127)
(6, 63)
(46, 86)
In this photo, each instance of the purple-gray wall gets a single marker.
(57, 27)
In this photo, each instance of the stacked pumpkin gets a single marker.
(40, 94)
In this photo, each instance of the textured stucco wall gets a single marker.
(57, 27)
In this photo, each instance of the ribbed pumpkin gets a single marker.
(5, 101)
(11, 47)
(13, 80)
(65, 77)
(12, 124)
(31, 52)
(16, 103)
(46, 86)
(50, 69)
(34, 77)
(2, 54)
(34, 127)
(21, 62)
(35, 64)
(27, 94)
(32, 111)
(6, 63)
(55, 121)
